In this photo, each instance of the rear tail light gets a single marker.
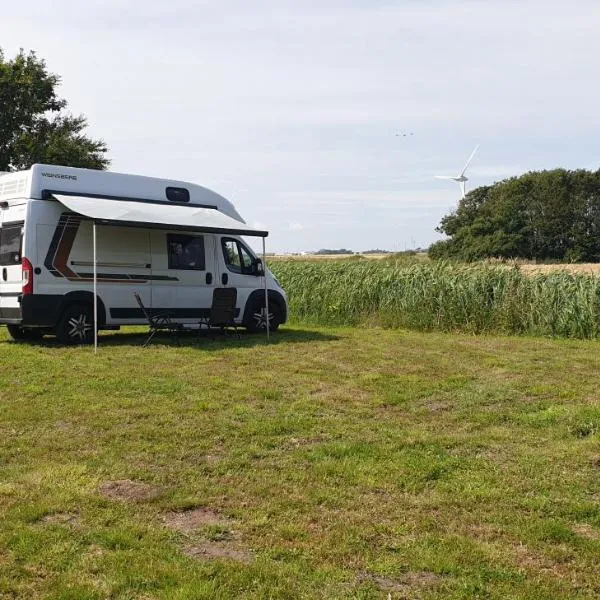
(27, 277)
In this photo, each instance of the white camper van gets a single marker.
(168, 241)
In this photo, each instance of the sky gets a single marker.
(290, 109)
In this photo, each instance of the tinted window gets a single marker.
(11, 236)
(185, 252)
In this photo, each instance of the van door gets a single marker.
(183, 275)
(11, 276)
(236, 262)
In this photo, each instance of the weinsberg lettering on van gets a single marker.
(60, 176)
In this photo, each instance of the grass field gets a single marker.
(332, 463)
(443, 296)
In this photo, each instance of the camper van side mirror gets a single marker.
(257, 267)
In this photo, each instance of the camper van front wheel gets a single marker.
(76, 325)
(257, 320)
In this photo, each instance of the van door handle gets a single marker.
(208, 278)
(4, 274)
(224, 278)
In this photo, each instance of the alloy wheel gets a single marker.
(78, 327)
(260, 320)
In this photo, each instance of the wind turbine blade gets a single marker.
(470, 159)
(443, 177)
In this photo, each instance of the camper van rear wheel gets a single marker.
(18, 333)
(76, 325)
(257, 321)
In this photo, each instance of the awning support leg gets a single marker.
(266, 288)
(95, 291)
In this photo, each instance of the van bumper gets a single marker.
(36, 310)
(41, 310)
(10, 316)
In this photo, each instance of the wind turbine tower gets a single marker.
(461, 178)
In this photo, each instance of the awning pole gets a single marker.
(266, 289)
(95, 291)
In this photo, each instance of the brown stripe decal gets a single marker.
(60, 250)
(65, 245)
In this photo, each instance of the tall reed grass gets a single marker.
(442, 296)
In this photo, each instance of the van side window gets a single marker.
(185, 252)
(237, 257)
(232, 256)
(246, 259)
(11, 238)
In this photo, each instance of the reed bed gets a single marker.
(444, 296)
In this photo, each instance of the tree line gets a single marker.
(544, 215)
(35, 125)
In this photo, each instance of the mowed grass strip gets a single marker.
(332, 463)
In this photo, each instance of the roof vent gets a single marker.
(178, 194)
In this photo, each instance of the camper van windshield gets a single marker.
(11, 236)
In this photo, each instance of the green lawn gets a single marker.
(332, 463)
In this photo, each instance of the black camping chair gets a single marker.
(222, 310)
(156, 322)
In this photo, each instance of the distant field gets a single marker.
(332, 463)
(582, 268)
(325, 256)
(419, 256)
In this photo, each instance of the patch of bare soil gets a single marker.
(530, 560)
(129, 491)
(189, 520)
(408, 585)
(587, 531)
(525, 557)
(94, 550)
(300, 442)
(217, 550)
(439, 406)
(212, 459)
(61, 518)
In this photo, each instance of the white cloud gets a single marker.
(295, 226)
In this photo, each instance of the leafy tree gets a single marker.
(547, 215)
(33, 125)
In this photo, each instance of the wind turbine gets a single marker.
(461, 179)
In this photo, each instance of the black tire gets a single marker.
(20, 334)
(76, 325)
(256, 322)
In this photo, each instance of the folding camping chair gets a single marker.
(222, 310)
(156, 322)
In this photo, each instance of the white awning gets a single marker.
(156, 215)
